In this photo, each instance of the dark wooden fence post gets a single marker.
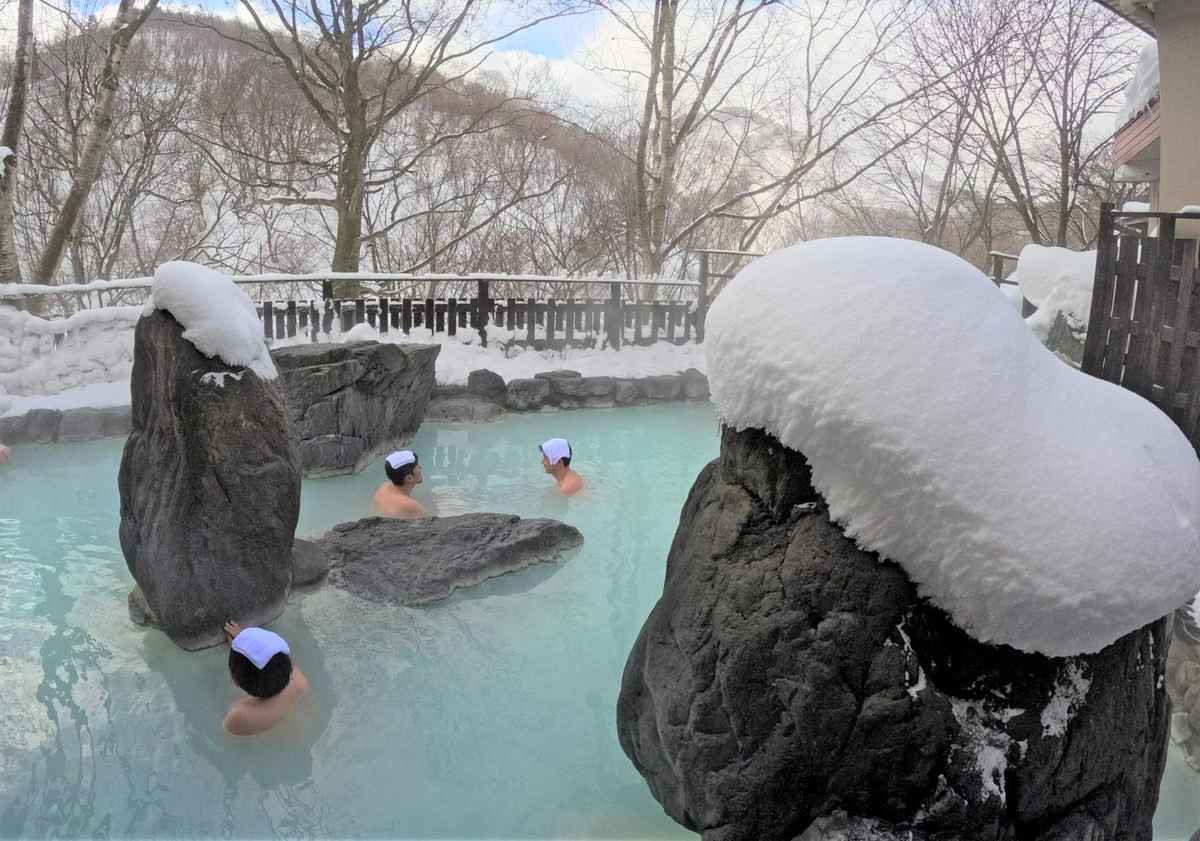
(383, 315)
(291, 319)
(615, 318)
(268, 320)
(1106, 262)
(484, 303)
(702, 298)
(997, 269)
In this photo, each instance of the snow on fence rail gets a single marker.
(1144, 327)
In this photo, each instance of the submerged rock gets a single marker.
(414, 562)
(310, 564)
(351, 402)
(210, 488)
(466, 408)
(789, 686)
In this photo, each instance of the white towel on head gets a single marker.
(259, 645)
(556, 449)
(400, 458)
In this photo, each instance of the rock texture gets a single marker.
(485, 383)
(526, 395)
(45, 426)
(789, 686)
(414, 562)
(310, 564)
(349, 403)
(210, 488)
(467, 408)
(1183, 685)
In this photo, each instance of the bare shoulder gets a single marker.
(572, 485)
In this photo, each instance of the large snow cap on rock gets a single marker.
(218, 318)
(1039, 506)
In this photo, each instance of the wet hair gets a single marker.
(399, 474)
(565, 461)
(266, 682)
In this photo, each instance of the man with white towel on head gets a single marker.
(394, 497)
(556, 460)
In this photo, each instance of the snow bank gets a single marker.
(909, 384)
(1136, 207)
(1056, 280)
(1143, 88)
(48, 356)
(218, 318)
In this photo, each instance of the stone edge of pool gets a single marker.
(486, 397)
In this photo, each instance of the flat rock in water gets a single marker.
(414, 562)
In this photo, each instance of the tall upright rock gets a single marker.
(210, 488)
(351, 402)
(790, 686)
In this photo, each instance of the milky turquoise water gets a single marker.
(488, 716)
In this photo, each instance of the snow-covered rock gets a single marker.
(908, 384)
(1056, 280)
(1143, 88)
(218, 318)
(785, 674)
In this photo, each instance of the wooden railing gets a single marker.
(1144, 326)
(532, 322)
(594, 310)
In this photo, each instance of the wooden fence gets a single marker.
(540, 323)
(1144, 326)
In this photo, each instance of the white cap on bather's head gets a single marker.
(259, 645)
(400, 458)
(555, 450)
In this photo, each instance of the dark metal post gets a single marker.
(997, 269)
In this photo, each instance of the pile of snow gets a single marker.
(218, 318)
(1143, 88)
(909, 384)
(49, 356)
(1056, 280)
(1136, 207)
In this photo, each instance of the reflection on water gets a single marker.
(489, 715)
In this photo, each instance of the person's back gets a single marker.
(394, 499)
(260, 664)
(556, 460)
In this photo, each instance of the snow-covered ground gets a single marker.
(458, 358)
(1040, 507)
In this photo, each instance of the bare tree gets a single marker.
(14, 123)
(360, 66)
(1042, 95)
(96, 145)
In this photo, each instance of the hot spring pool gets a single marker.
(487, 716)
